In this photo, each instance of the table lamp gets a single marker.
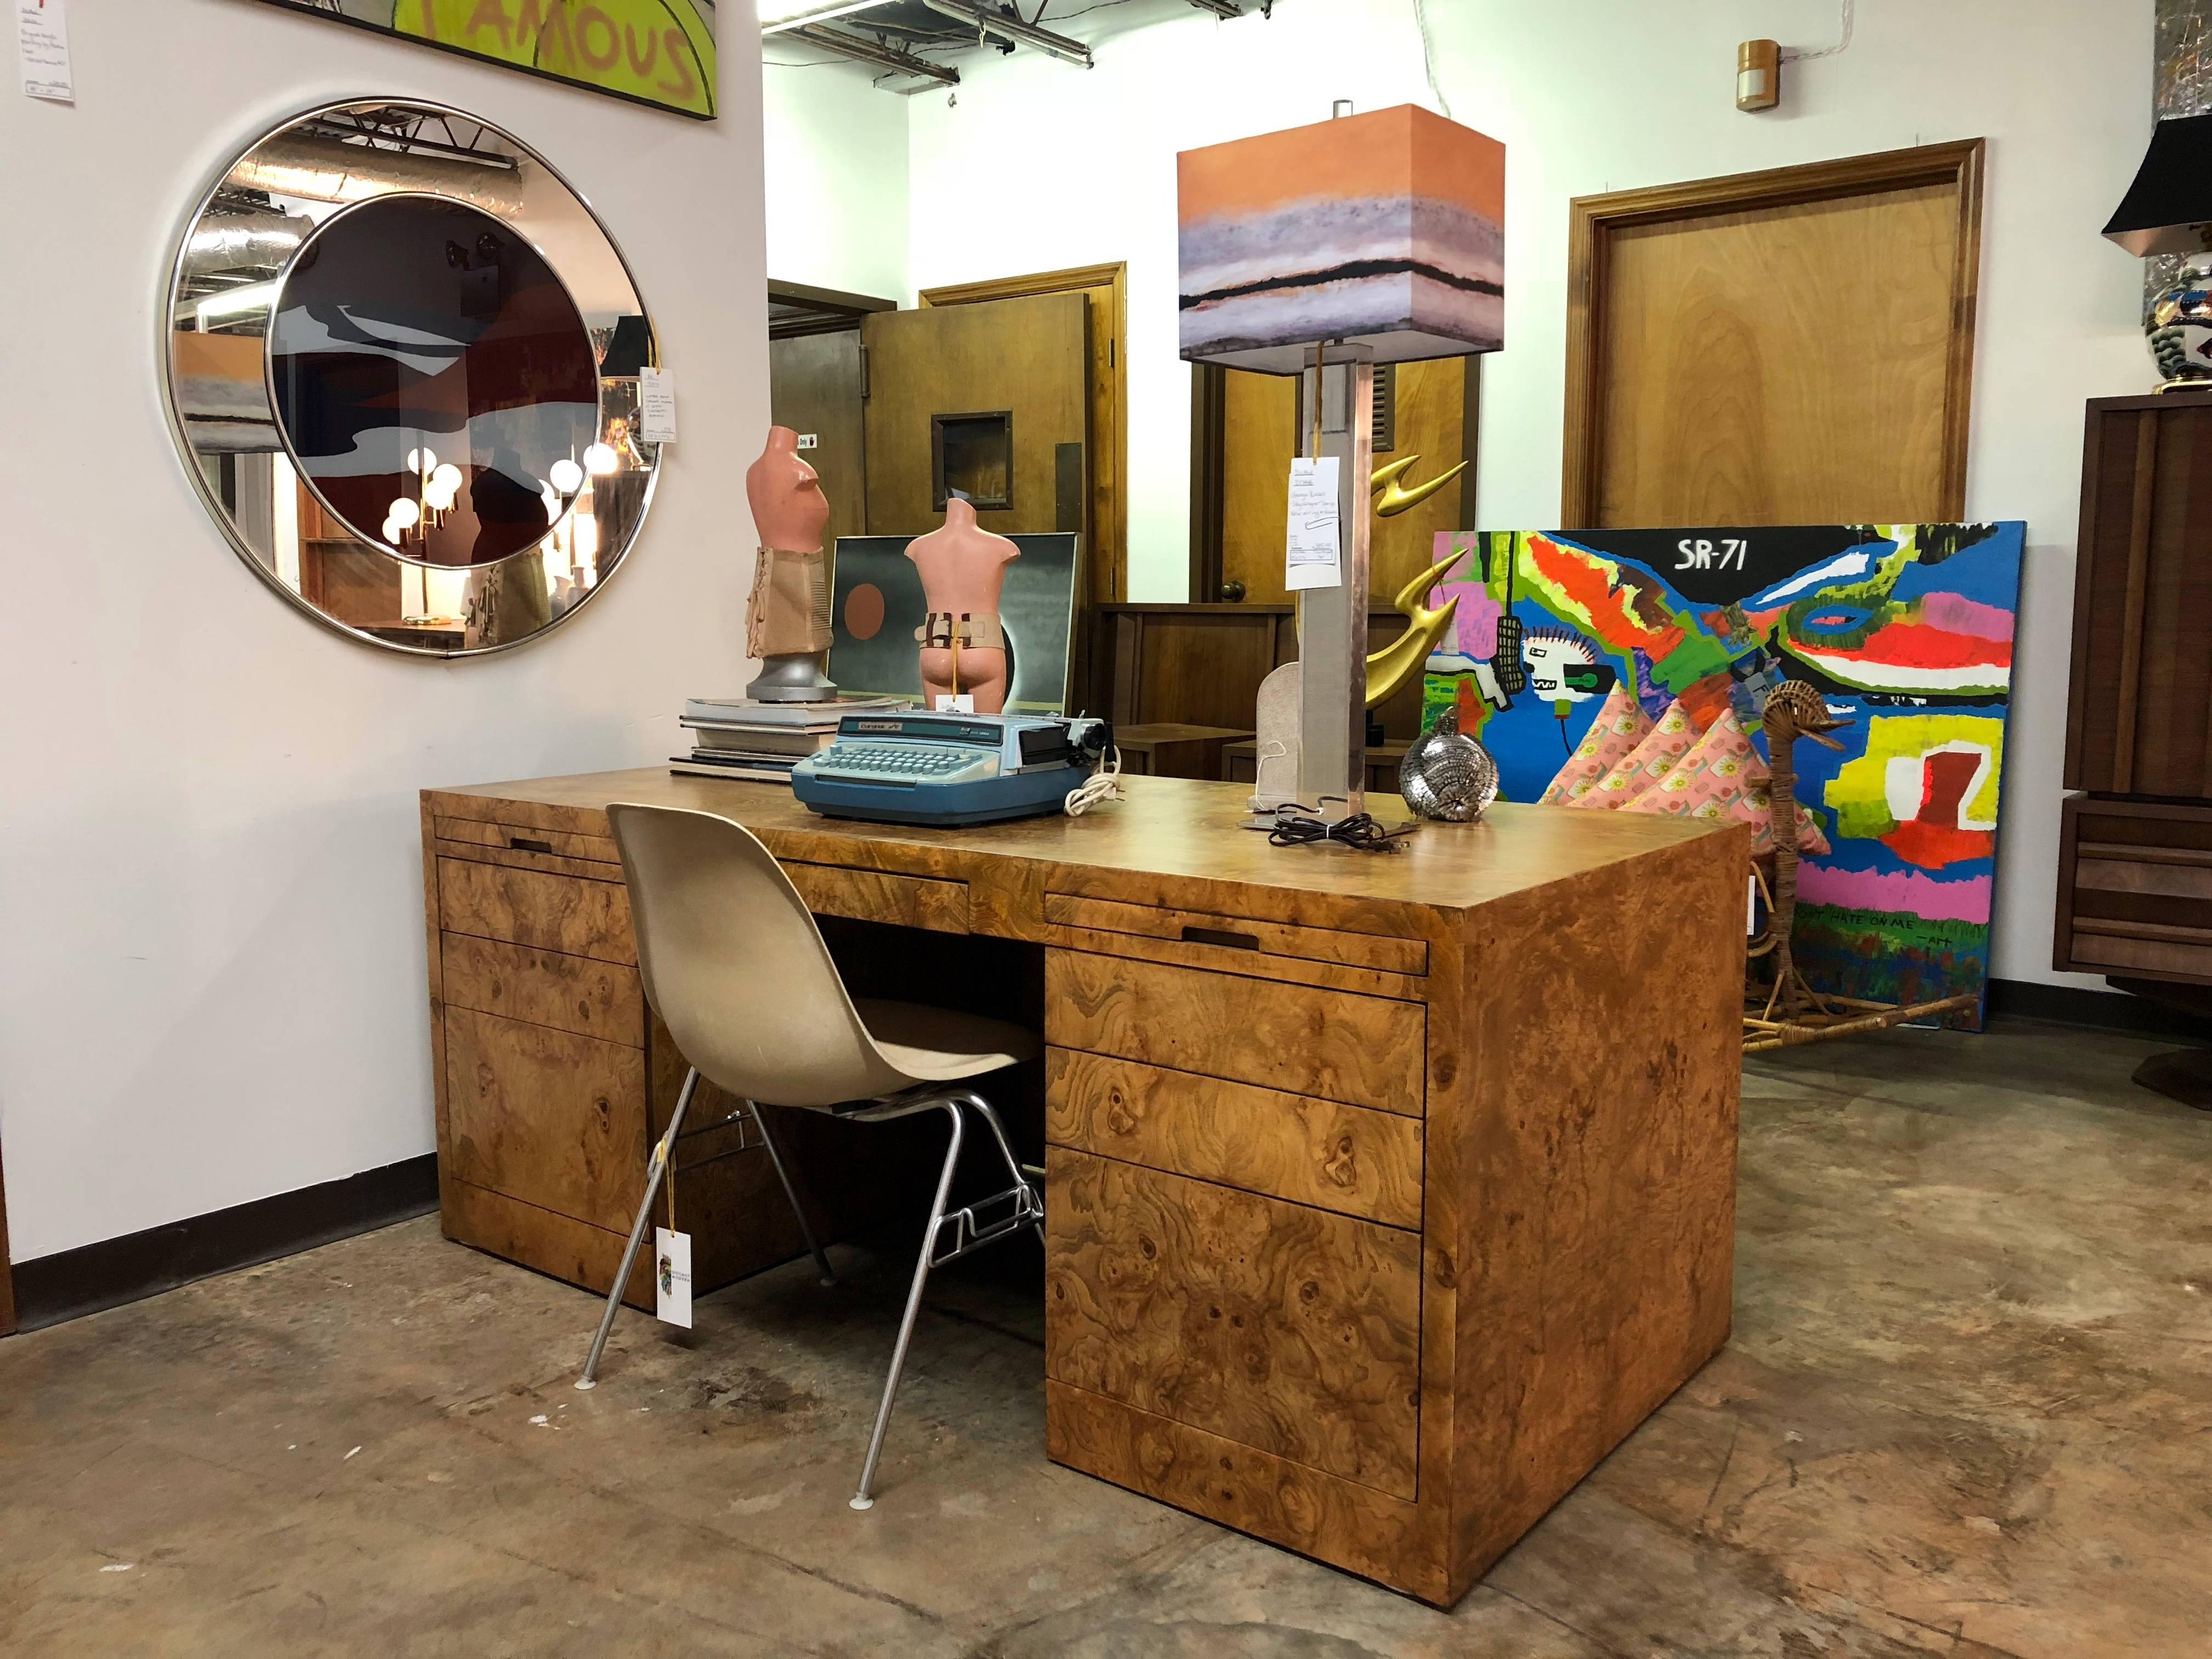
(2168, 210)
(1320, 251)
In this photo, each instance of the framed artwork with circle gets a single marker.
(876, 604)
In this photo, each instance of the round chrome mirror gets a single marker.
(401, 357)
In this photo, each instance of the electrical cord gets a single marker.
(1429, 57)
(1302, 826)
(1102, 785)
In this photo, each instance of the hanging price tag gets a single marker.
(1312, 557)
(42, 48)
(656, 411)
(672, 1277)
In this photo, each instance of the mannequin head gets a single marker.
(789, 510)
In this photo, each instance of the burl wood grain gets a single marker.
(1363, 1051)
(1271, 1324)
(546, 987)
(1337, 1520)
(1346, 1158)
(559, 1245)
(873, 896)
(547, 1116)
(1267, 938)
(537, 907)
(523, 838)
(1597, 1246)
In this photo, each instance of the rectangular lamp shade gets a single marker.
(1386, 230)
(2168, 208)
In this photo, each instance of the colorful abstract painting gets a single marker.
(651, 51)
(1907, 630)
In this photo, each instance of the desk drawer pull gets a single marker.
(1221, 936)
(527, 844)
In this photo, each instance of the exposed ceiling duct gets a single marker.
(869, 52)
(989, 21)
(252, 244)
(317, 169)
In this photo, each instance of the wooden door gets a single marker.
(1420, 409)
(814, 388)
(994, 398)
(1105, 300)
(1787, 347)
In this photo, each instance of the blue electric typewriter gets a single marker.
(912, 766)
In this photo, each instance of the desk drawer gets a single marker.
(1278, 1327)
(1346, 1158)
(572, 993)
(1360, 1050)
(832, 889)
(567, 913)
(1267, 938)
(522, 838)
(548, 1117)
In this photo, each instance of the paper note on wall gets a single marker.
(42, 48)
(1312, 556)
(656, 406)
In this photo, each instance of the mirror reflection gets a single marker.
(403, 366)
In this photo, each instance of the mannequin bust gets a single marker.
(787, 621)
(962, 567)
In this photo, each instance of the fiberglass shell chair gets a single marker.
(734, 963)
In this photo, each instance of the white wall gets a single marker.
(211, 943)
(836, 175)
(1597, 95)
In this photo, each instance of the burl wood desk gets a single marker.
(1384, 1196)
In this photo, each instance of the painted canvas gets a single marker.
(876, 604)
(651, 51)
(1905, 628)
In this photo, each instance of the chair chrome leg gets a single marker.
(806, 1227)
(1014, 1166)
(661, 1153)
(862, 1499)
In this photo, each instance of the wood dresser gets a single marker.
(1384, 1194)
(2135, 876)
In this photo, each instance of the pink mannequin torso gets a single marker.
(789, 510)
(963, 568)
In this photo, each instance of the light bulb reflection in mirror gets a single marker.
(421, 460)
(566, 476)
(404, 513)
(600, 461)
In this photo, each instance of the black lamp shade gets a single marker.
(628, 351)
(2168, 208)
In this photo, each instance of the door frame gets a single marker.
(1595, 219)
(1108, 560)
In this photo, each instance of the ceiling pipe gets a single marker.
(313, 169)
(867, 52)
(1219, 8)
(1012, 28)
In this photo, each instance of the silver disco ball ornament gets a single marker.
(1447, 775)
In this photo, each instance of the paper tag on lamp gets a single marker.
(1313, 555)
(656, 406)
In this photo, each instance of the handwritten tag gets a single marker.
(42, 48)
(672, 1277)
(962, 702)
(656, 412)
(1312, 556)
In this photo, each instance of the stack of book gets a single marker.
(733, 737)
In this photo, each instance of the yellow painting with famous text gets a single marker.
(654, 51)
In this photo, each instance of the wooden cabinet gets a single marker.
(1383, 1196)
(2135, 881)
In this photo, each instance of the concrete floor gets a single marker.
(1967, 1411)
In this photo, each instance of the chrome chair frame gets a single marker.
(972, 1226)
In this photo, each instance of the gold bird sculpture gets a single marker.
(1399, 660)
(1396, 498)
